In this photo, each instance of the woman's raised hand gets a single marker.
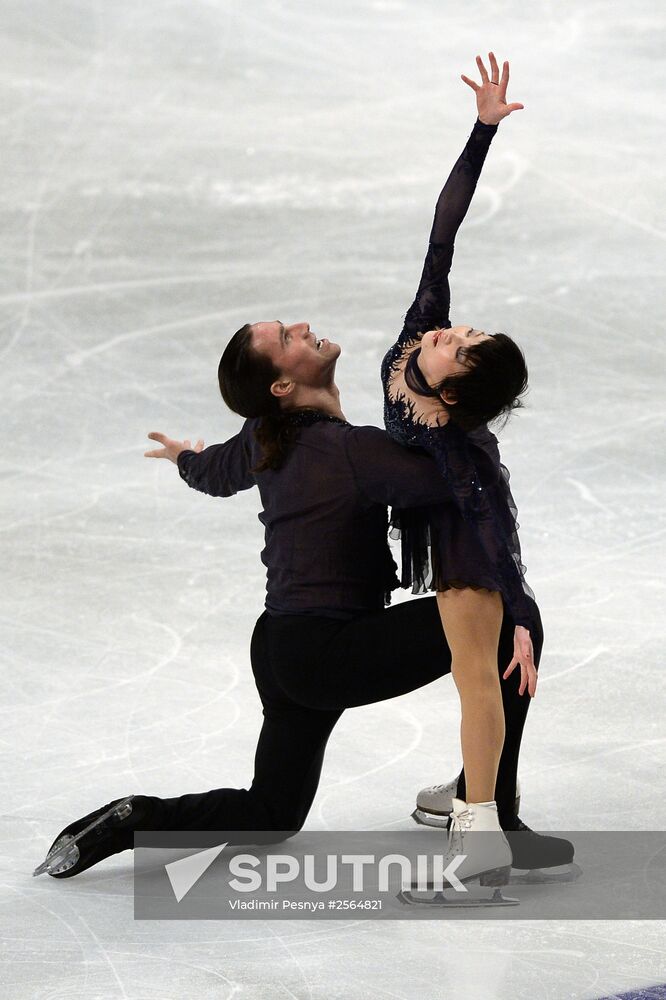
(491, 95)
(171, 449)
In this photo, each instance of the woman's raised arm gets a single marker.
(430, 308)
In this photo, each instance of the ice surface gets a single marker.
(171, 171)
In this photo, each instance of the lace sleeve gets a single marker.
(432, 302)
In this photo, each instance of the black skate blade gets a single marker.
(439, 898)
(542, 876)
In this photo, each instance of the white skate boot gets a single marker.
(477, 837)
(435, 803)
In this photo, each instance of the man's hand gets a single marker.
(491, 95)
(171, 449)
(523, 654)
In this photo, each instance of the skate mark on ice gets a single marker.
(586, 494)
(285, 947)
(599, 651)
(600, 206)
(406, 717)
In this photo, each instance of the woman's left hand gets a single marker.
(491, 95)
(523, 654)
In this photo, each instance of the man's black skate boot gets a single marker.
(98, 835)
(542, 858)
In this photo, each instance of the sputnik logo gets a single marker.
(186, 872)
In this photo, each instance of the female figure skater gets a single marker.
(442, 384)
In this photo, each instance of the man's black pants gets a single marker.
(307, 671)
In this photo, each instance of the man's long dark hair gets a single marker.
(495, 378)
(245, 378)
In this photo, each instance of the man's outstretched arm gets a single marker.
(219, 470)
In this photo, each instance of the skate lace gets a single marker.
(459, 823)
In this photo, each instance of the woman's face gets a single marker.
(443, 351)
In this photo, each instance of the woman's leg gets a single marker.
(472, 620)
(516, 707)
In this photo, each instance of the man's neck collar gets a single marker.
(323, 400)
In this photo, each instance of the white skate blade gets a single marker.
(454, 900)
(439, 820)
(64, 852)
(423, 818)
(535, 876)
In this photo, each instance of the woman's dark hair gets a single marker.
(245, 378)
(496, 377)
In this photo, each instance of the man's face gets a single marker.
(296, 352)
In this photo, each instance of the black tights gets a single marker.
(308, 670)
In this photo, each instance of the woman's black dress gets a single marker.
(472, 541)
